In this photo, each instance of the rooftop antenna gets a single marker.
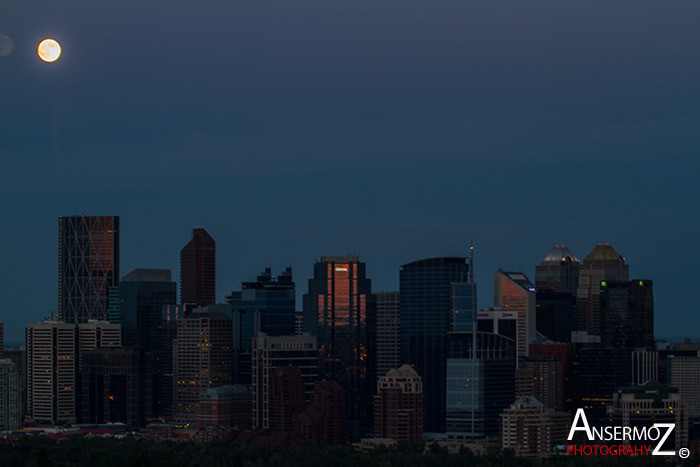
(474, 327)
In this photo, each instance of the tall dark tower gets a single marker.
(339, 309)
(603, 263)
(88, 266)
(627, 314)
(556, 283)
(198, 269)
(426, 310)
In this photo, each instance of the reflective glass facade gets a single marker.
(274, 298)
(88, 266)
(478, 389)
(142, 294)
(339, 309)
(426, 316)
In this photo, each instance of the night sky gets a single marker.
(393, 130)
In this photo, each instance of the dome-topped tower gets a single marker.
(603, 253)
(558, 254)
(603, 263)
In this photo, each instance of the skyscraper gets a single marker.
(603, 263)
(339, 309)
(88, 266)
(514, 292)
(142, 295)
(51, 369)
(478, 389)
(198, 269)
(426, 316)
(273, 298)
(388, 347)
(202, 356)
(556, 283)
(627, 314)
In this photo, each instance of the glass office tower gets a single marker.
(426, 316)
(340, 311)
(88, 266)
(274, 298)
(478, 389)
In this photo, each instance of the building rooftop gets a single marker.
(559, 254)
(603, 253)
(148, 275)
(406, 371)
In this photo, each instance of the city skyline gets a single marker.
(291, 131)
(484, 299)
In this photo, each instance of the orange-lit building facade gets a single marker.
(88, 266)
(339, 309)
(514, 292)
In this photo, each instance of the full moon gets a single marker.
(49, 50)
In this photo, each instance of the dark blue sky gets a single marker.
(393, 130)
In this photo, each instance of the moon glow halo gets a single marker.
(49, 50)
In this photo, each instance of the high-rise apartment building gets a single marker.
(88, 266)
(271, 352)
(532, 429)
(603, 263)
(202, 356)
(426, 316)
(388, 345)
(51, 369)
(198, 269)
(274, 299)
(513, 291)
(398, 406)
(340, 311)
(627, 314)
(9, 396)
